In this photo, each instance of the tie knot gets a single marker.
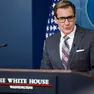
(66, 38)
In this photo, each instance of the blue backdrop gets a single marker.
(15, 30)
(23, 27)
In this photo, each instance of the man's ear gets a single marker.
(75, 17)
(55, 19)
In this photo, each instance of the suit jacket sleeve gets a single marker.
(92, 57)
(45, 62)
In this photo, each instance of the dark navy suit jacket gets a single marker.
(81, 55)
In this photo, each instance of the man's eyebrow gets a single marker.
(66, 16)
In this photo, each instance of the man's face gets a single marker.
(65, 19)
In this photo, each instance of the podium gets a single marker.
(29, 81)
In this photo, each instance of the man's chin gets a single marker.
(67, 32)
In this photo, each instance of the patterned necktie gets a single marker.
(65, 52)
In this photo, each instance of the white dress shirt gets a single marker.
(70, 40)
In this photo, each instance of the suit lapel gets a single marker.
(57, 54)
(77, 40)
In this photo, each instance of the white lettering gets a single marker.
(21, 87)
(2, 80)
(13, 80)
(38, 81)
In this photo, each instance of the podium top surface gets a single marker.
(45, 71)
(34, 70)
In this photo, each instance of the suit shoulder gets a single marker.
(86, 30)
(54, 36)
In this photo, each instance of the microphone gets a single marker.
(74, 45)
(3, 45)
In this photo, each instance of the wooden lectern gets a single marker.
(26, 81)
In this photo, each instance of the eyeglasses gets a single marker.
(63, 19)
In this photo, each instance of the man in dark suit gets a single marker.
(80, 56)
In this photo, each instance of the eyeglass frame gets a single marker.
(69, 18)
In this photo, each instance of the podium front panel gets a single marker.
(27, 82)
(45, 82)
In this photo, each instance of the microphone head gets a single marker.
(3, 45)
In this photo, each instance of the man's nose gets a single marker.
(66, 22)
